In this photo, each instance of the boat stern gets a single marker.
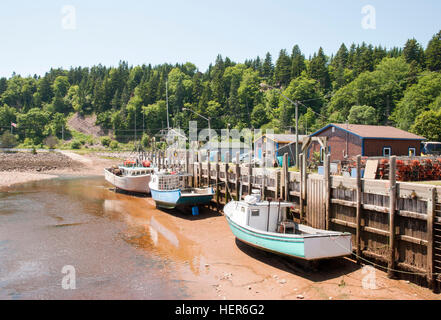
(326, 247)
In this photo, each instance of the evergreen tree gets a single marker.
(318, 69)
(268, 67)
(413, 52)
(298, 62)
(282, 72)
(433, 53)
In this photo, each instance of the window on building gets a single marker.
(412, 152)
(387, 151)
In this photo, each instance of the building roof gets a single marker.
(283, 138)
(373, 132)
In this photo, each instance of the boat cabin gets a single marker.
(136, 171)
(169, 181)
(265, 216)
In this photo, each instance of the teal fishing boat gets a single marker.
(264, 225)
(170, 191)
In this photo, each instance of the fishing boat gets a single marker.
(169, 191)
(264, 225)
(133, 176)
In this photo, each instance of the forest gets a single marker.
(359, 84)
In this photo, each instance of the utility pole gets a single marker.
(297, 135)
(296, 104)
(166, 98)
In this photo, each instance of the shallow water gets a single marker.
(120, 246)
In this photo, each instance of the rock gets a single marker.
(283, 281)
(300, 297)
(249, 288)
(330, 298)
(207, 265)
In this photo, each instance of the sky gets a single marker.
(38, 35)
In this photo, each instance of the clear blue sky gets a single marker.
(33, 40)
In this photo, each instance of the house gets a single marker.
(349, 140)
(276, 145)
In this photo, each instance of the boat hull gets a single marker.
(172, 199)
(137, 184)
(307, 248)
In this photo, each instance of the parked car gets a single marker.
(245, 159)
(431, 148)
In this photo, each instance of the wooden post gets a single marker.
(250, 175)
(304, 178)
(208, 169)
(359, 209)
(237, 176)
(217, 181)
(200, 168)
(187, 165)
(431, 204)
(302, 205)
(327, 187)
(286, 177)
(227, 195)
(392, 209)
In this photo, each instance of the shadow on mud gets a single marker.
(316, 271)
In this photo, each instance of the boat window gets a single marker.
(255, 213)
(242, 209)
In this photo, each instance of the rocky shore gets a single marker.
(21, 167)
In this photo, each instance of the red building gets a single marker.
(350, 140)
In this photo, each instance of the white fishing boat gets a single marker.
(265, 225)
(130, 178)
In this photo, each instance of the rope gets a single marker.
(383, 267)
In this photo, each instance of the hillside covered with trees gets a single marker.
(361, 84)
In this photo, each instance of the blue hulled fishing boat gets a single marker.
(264, 225)
(170, 191)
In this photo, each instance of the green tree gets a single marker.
(416, 99)
(298, 62)
(8, 140)
(282, 72)
(260, 116)
(318, 69)
(413, 52)
(363, 115)
(33, 123)
(428, 125)
(433, 53)
(7, 116)
(268, 67)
